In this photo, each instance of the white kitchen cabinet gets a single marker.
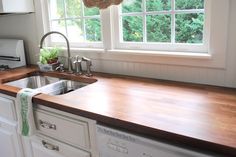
(73, 136)
(16, 6)
(7, 110)
(60, 134)
(71, 131)
(10, 143)
(45, 147)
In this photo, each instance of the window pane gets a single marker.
(132, 6)
(75, 31)
(91, 11)
(189, 4)
(159, 28)
(73, 8)
(189, 28)
(56, 9)
(158, 5)
(58, 25)
(93, 29)
(133, 28)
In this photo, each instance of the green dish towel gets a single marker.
(24, 109)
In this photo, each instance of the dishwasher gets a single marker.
(115, 143)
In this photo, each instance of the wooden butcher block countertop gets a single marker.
(199, 116)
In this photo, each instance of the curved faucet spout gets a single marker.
(68, 46)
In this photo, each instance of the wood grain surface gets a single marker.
(193, 115)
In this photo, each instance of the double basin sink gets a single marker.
(47, 84)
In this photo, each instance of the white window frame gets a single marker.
(95, 44)
(217, 45)
(158, 46)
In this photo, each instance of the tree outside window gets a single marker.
(163, 21)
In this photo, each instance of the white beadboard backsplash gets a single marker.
(219, 77)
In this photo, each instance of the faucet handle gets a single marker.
(78, 66)
(60, 68)
(77, 58)
(88, 66)
(85, 58)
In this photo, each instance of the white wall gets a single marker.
(24, 27)
(21, 27)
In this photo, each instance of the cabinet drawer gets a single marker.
(46, 147)
(68, 130)
(7, 108)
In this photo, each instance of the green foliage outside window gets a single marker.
(73, 10)
(158, 5)
(159, 28)
(188, 26)
(188, 29)
(133, 28)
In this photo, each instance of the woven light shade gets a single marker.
(101, 4)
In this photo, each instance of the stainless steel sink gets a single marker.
(33, 82)
(62, 87)
(48, 85)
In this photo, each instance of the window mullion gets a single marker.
(144, 22)
(172, 21)
(120, 21)
(189, 11)
(66, 29)
(83, 21)
(107, 27)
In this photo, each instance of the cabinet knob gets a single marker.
(47, 125)
(50, 146)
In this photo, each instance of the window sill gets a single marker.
(87, 50)
(190, 55)
(144, 53)
(153, 57)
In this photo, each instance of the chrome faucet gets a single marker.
(68, 47)
(78, 66)
(88, 66)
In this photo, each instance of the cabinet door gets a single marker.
(45, 147)
(7, 109)
(9, 143)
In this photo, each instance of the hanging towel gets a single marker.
(24, 109)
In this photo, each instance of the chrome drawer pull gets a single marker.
(50, 146)
(47, 125)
